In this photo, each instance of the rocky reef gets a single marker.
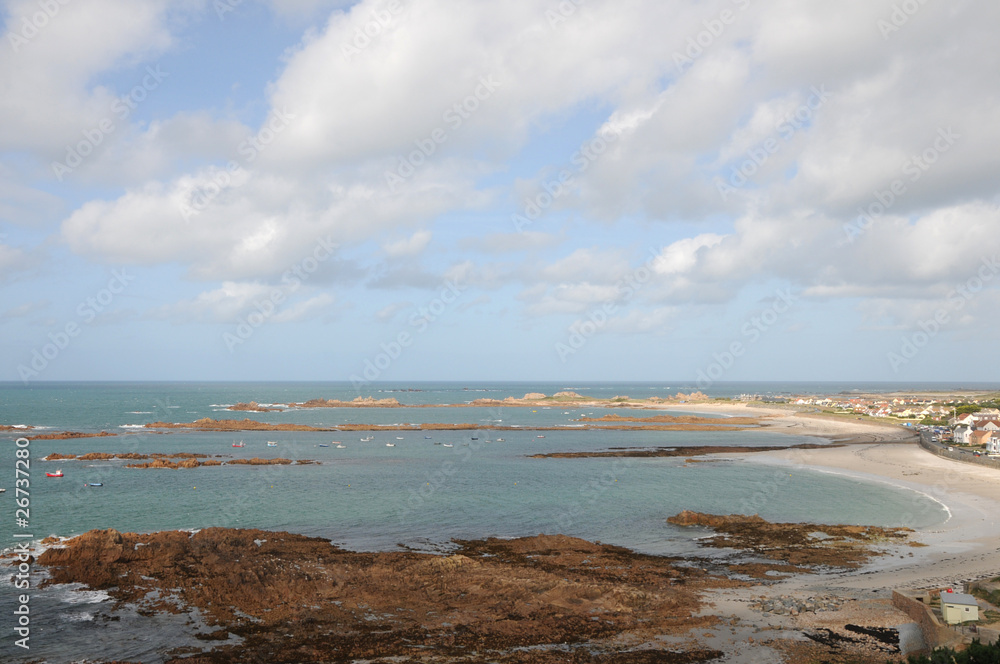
(798, 544)
(300, 599)
(687, 451)
(254, 407)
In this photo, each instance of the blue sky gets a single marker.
(306, 189)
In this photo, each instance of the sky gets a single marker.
(697, 190)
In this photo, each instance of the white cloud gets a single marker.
(231, 300)
(411, 246)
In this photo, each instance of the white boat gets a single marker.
(3, 490)
(368, 439)
(399, 438)
(271, 443)
(340, 447)
(390, 444)
(447, 445)
(500, 440)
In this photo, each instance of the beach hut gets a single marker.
(958, 608)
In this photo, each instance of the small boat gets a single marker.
(500, 440)
(323, 445)
(94, 484)
(58, 473)
(475, 438)
(399, 438)
(239, 444)
(427, 437)
(271, 443)
(539, 436)
(390, 444)
(3, 490)
(340, 447)
(447, 445)
(368, 439)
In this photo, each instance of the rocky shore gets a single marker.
(282, 597)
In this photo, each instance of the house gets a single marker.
(988, 425)
(958, 608)
(993, 444)
(962, 434)
(980, 437)
(968, 420)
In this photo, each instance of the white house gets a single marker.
(962, 435)
(959, 608)
(993, 444)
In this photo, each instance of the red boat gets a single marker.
(58, 473)
(239, 444)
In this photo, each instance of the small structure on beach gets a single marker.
(959, 608)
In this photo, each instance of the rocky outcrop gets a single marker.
(358, 402)
(300, 599)
(191, 461)
(806, 544)
(69, 435)
(254, 407)
(687, 451)
(533, 396)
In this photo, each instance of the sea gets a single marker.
(415, 489)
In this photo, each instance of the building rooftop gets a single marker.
(958, 598)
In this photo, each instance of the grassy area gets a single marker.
(991, 596)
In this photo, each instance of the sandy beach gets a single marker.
(965, 547)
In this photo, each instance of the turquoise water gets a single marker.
(372, 497)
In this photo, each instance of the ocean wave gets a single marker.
(77, 617)
(140, 412)
(131, 426)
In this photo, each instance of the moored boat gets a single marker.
(271, 443)
(239, 444)
(58, 473)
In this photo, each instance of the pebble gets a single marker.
(786, 605)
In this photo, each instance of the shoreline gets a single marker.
(965, 547)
